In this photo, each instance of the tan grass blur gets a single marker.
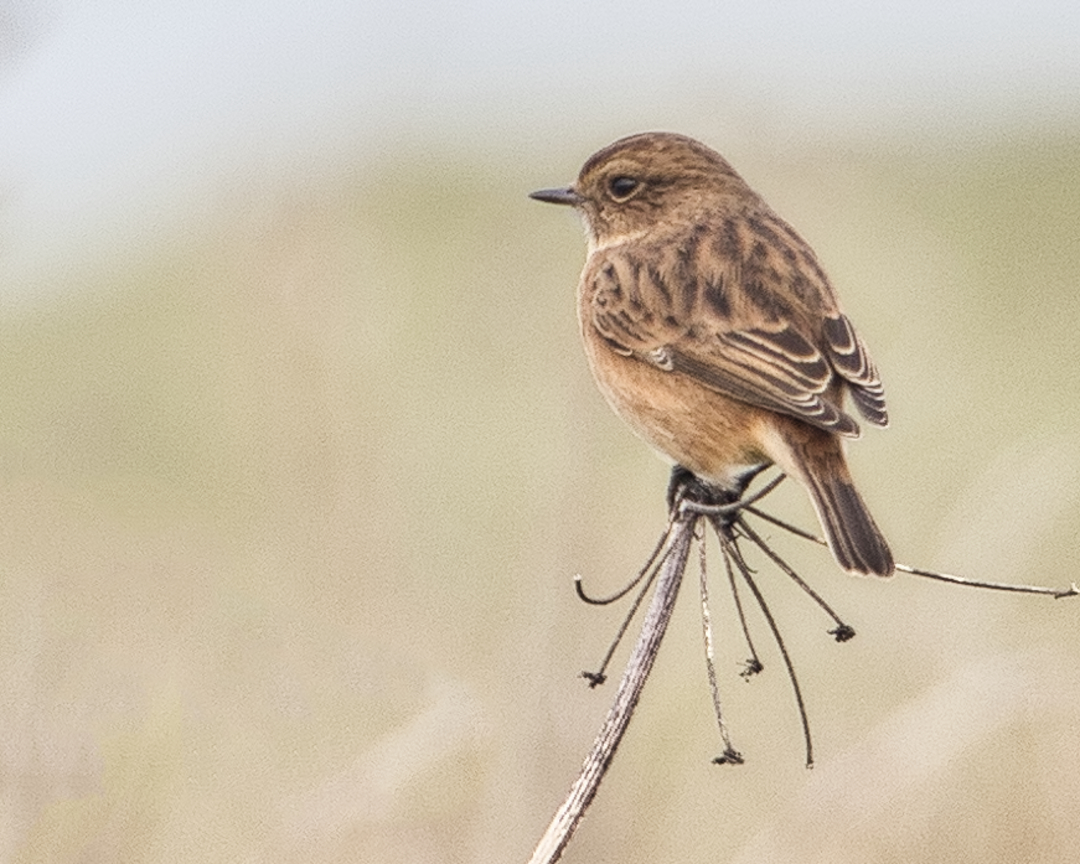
(291, 506)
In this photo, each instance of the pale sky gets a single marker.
(112, 111)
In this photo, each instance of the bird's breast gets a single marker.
(716, 437)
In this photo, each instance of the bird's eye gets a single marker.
(622, 188)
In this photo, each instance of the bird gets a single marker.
(713, 331)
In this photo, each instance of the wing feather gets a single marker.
(778, 370)
(642, 312)
(848, 355)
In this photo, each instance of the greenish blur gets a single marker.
(291, 507)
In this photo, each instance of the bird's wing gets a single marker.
(851, 360)
(774, 366)
(776, 369)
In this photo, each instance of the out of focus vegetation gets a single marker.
(291, 506)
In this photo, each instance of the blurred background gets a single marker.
(299, 453)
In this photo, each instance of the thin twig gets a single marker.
(744, 569)
(843, 631)
(567, 817)
(787, 526)
(1056, 593)
(729, 756)
(598, 677)
(753, 664)
(622, 592)
(734, 506)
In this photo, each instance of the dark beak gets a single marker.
(566, 195)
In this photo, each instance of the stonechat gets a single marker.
(711, 328)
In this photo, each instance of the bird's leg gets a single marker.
(685, 485)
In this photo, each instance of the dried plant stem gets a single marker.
(1056, 593)
(731, 547)
(690, 501)
(567, 817)
(729, 755)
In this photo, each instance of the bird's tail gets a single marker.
(854, 538)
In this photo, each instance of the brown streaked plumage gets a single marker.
(713, 331)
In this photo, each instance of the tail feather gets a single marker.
(816, 459)
(854, 538)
